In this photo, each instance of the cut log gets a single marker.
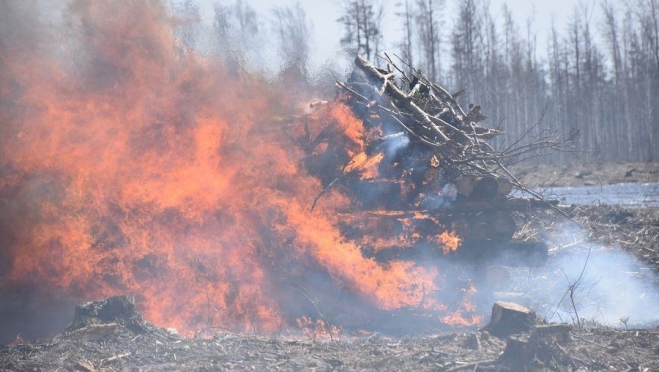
(444, 178)
(373, 194)
(518, 204)
(503, 226)
(509, 318)
(466, 185)
(505, 187)
(493, 226)
(497, 277)
(486, 188)
(510, 204)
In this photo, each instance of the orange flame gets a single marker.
(131, 167)
(318, 330)
(18, 341)
(365, 165)
(449, 241)
(464, 314)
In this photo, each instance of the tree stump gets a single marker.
(117, 309)
(516, 297)
(509, 318)
(535, 348)
(519, 349)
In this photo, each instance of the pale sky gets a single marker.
(327, 32)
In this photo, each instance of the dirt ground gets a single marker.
(592, 349)
(125, 342)
(577, 174)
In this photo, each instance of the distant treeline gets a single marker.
(598, 76)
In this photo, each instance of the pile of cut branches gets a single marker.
(419, 168)
(406, 103)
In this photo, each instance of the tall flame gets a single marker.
(129, 165)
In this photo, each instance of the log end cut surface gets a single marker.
(509, 318)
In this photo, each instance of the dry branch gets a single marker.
(438, 125)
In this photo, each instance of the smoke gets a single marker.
(599, 284)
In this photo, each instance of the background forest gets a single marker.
(598, 77)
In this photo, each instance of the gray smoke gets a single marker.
(605, 285)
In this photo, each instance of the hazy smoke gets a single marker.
(601, 284)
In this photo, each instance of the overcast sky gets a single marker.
(327, 32)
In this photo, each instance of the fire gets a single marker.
(365, 165)
(464, 315)
(449, 241)
(129, 166)
(318, 330)
(17, 341)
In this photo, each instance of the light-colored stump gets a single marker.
(509, 318)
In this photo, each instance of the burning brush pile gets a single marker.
(420, 171)
(131, 165)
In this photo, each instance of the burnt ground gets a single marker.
(127, 343)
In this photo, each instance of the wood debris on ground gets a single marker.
(138, 346)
